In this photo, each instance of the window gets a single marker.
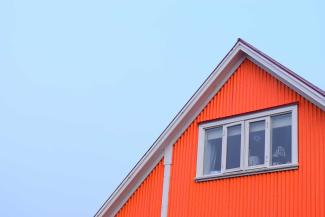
(233, 146)
(257, 142)
(213, 147)
(281, 139)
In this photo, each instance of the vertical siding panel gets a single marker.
(231, 93)
(179, 175)
(172, 174)
(173, 185)
(281, 194)
(321, 127)
(307, 171)
(204, 201)
(311, 185)
(187, 169)
(234, 94)
(176, 173)
(190, 151)
(301, 117)
(259, 197)
(317, 166)
(151, 196)
(226, 97)
(307, 168)
(241, 87)
(316, 163)
(183, 192)
(256, 85)
(319, 162)
(221, 107)
(230, 201)
(289, 189)
(142, 206)
(213, 109)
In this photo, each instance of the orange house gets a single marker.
(250, 142)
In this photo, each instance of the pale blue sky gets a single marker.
(87, 86)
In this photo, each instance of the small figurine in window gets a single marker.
(279, 152)
(279, 156)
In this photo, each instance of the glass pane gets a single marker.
(233, 147)
(281, 139)
(256, 152)
(212, 151)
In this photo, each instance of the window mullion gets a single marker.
(224, 149)
(294, 137)
(246, 144)
(267, 141)
(242, 146)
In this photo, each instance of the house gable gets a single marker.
(241, 53)
(251, 89)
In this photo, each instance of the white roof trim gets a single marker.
(194, 106)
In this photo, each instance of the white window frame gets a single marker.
(224, 147)
(267, 142)
(244, 120)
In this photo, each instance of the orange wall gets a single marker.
(146, 200)
(288, 193)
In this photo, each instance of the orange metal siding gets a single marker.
(288, 193)
(146, 200)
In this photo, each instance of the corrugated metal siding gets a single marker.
(146, 200)
(288, 193)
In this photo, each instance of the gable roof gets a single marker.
(238, 53)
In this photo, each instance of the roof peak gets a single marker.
(289, 71)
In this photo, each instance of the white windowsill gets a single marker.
(247, 172)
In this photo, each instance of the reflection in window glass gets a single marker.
(213, 151)
(256, 145)
(233, 147)
(281, 139)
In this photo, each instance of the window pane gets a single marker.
(281, 139)
(256, 152)
(212, 151)
(233, 147)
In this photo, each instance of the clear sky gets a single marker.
(87, 86)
